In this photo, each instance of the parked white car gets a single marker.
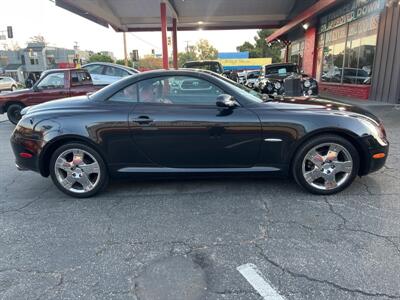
(107, 73)
(7, 84)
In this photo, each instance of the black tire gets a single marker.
(14, 113)
(297, 165)
(104, 177)
(13, 88)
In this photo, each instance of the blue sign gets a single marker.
(233, 55)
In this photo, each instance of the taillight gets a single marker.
(25, 155)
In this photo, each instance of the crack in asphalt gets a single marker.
(58, 275)
(19, 209)
(322, 281)
(344, 226)
(5, 189)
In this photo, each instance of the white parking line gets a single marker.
(259, 283)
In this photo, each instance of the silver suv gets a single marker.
(7, 84)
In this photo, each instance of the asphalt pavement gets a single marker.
(185, 238)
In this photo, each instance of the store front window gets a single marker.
(333, 54)
(346, 53)
(297, 53)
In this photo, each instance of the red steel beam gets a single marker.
(310, 12)
(174, 43)
(163, 10)
(203, 27)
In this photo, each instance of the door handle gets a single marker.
(142, 120)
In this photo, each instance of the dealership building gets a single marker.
(352, 49)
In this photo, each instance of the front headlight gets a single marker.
(307, 83)
(277, 85)
(377, 131)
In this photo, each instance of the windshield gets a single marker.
(280, 70)
(254, 74)
(210, 66)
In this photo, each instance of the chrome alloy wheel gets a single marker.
(327, 166)
(77, 170)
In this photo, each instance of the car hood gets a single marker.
(72, 103)
(321, 105)
(15, 93)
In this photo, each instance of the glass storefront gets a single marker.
(346, 53)
(347, 40)
(296, 53)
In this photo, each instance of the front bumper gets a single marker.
(371, 164)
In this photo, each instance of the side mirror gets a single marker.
(226, 101)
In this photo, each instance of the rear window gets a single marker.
(80, 78)
(210, 66)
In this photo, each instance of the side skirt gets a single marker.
(198, 170)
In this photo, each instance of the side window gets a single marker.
(183, 90)
(52, 81)
(80, 78)
(128, 94)
(116, 72)
(95, 69)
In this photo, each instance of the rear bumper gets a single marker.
(19, 168)
(20, 145)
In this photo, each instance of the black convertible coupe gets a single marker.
(196, 122)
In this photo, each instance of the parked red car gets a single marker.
(53, 84)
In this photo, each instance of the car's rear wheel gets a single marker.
(14, 113)
(326, 164)
(78, 170)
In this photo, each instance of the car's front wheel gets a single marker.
(326, 164)
(14, 113)
(13, 88)
(78, 170)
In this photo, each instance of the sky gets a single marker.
(62, 28)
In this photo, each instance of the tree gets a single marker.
(205, 50)
(122, 62)
(253, 52)
(14, 46)
(38, 39)
(260, 47)
(150, 62)
(189, 55)
(100, 58)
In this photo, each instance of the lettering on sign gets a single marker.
(350, 12)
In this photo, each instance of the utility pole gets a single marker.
(187, 46)
(125, 50)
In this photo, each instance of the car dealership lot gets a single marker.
(184, 238)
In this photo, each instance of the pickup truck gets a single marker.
(52, 85)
